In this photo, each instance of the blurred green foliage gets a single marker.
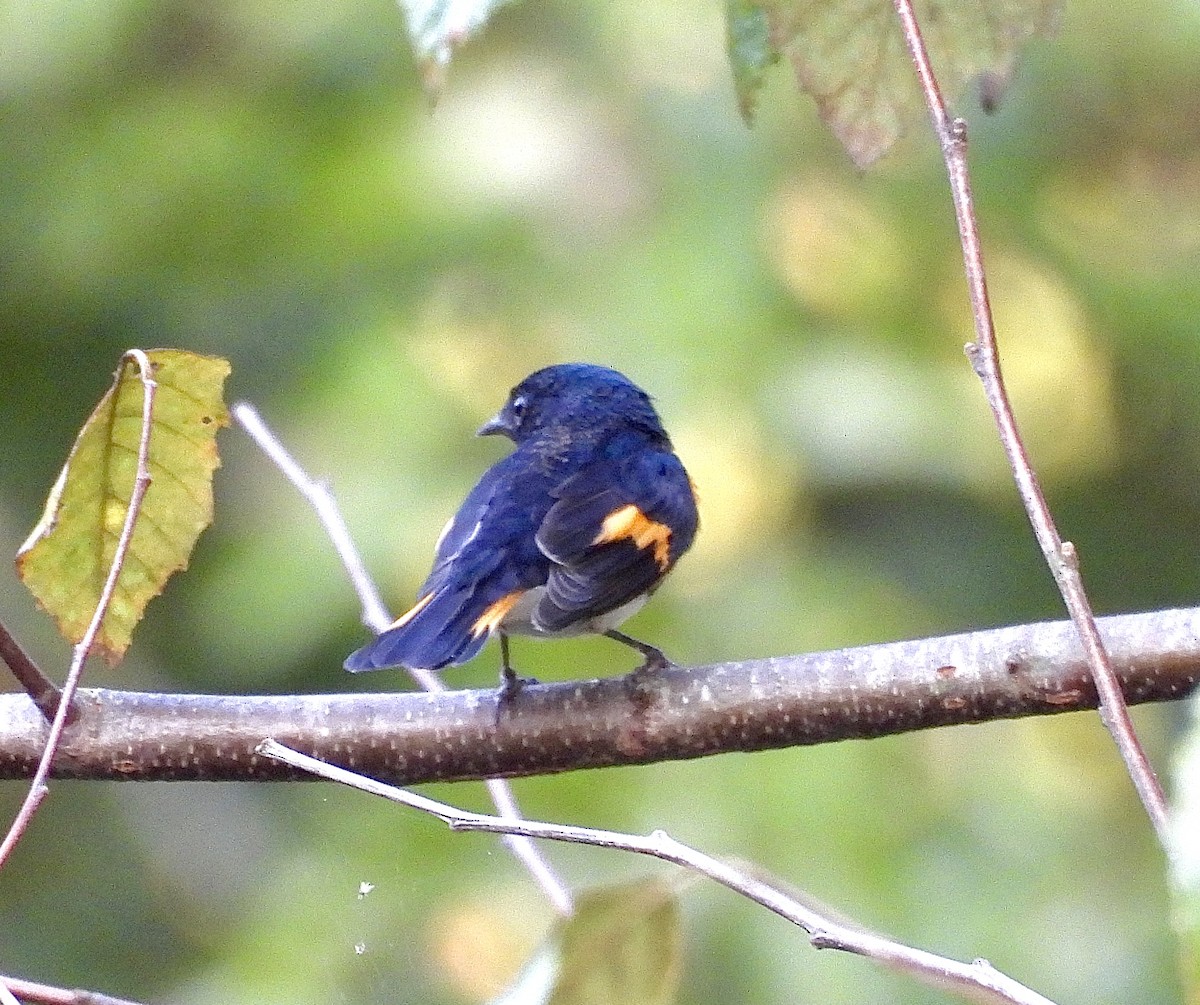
(264, 181)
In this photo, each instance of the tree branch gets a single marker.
(32, 993)
(984, 356)
(680, 713)
(978, 981)
(37, 685)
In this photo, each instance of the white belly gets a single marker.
(519, 621)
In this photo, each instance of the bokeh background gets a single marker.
(265, 181)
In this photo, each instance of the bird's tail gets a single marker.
(446, 626)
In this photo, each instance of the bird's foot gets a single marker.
(654, 662)
(511, 685)
(655, 659)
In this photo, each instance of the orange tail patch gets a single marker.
(490, 619)
(411, 613)
(630, 522)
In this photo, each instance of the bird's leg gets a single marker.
(510, 682)
(656, 659)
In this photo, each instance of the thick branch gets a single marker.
(680, 713)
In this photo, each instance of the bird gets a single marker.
(569, 534)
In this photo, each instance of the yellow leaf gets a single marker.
(67, 557)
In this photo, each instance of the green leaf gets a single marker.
(851, 57)
(751, 51)
(437, 27)
(67, 557)
(1185, 854)
(621, 946)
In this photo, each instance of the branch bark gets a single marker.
(684, 712)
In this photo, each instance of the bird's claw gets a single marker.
(511, 685)
(654, 663)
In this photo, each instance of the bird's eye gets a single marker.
(518, 406)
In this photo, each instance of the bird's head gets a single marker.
(581, 395)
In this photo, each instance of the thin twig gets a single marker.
(375, 612)
(41, 689)
(376, 617)
(33, 993)
(141, 482)
(978, 980)
(985, 360)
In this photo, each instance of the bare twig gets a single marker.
(985, 360)
(375, 612)
(683, 712)
(141, 482)
(40, 688)
(979, 980)
(377, 618)
(46, 994)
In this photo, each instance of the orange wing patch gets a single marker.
(411, 613)
(490, 619)
(630, 522)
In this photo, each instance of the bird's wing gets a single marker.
(462, 528)
(485, 560)
(616, 528)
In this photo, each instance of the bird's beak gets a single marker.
(496, 424)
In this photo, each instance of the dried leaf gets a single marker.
(851, 57)
(66, 559)
(437, 27)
